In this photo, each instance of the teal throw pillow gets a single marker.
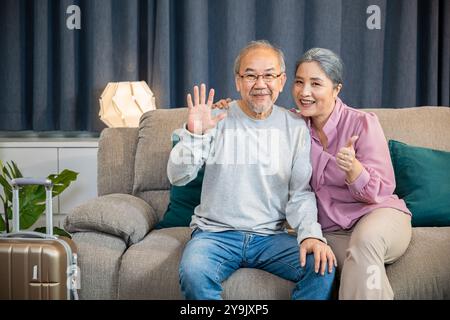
(183, 201)
(423, 182)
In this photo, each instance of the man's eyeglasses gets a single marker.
(267, 77)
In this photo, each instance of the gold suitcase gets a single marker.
(33, 265)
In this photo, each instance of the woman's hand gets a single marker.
(347, 162)
(222, 104)
(323, 255)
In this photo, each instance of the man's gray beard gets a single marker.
(260, 109)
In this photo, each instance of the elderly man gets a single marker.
(256, 178)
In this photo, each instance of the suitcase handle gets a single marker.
(48, 184)
(18, 182)
(28, 234)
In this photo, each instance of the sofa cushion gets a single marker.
(423, 181)
(99, 256)
(158, 200)
(419, 126)
(121, 215)
(115, 160)
(153, 148)
(183, 200)
(149, 270)
(422, 272)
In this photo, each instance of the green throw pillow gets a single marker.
(423, 181)
(183, 201)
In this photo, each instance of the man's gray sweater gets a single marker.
(257, 174)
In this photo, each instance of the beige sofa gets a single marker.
(121, 256)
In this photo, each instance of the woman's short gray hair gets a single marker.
(328, 61)
(259, 44)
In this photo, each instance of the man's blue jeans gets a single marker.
(211, 257)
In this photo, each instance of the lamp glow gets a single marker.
(123, 103)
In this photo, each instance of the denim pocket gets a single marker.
(195, 231)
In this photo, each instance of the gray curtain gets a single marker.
(51, 77)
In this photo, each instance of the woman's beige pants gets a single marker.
(378, 238)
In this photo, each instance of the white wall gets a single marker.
(39, 157)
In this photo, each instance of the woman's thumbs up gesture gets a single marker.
(347, 162)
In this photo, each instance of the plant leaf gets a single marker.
(5, 184)
(2, 169)
(62, 181)
(2, 221)
(10, 170)
(32, 198)
(5, 172)
(32, 205)
(2, 224)
(16, 172)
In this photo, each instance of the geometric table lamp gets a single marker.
(123, 103)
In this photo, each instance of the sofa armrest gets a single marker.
(121, 215)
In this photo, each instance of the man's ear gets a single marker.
(283, 81)
(238, 84)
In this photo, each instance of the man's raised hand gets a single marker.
(200, 119)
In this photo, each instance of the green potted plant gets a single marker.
(31, 198)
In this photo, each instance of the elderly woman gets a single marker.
(365, 223)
